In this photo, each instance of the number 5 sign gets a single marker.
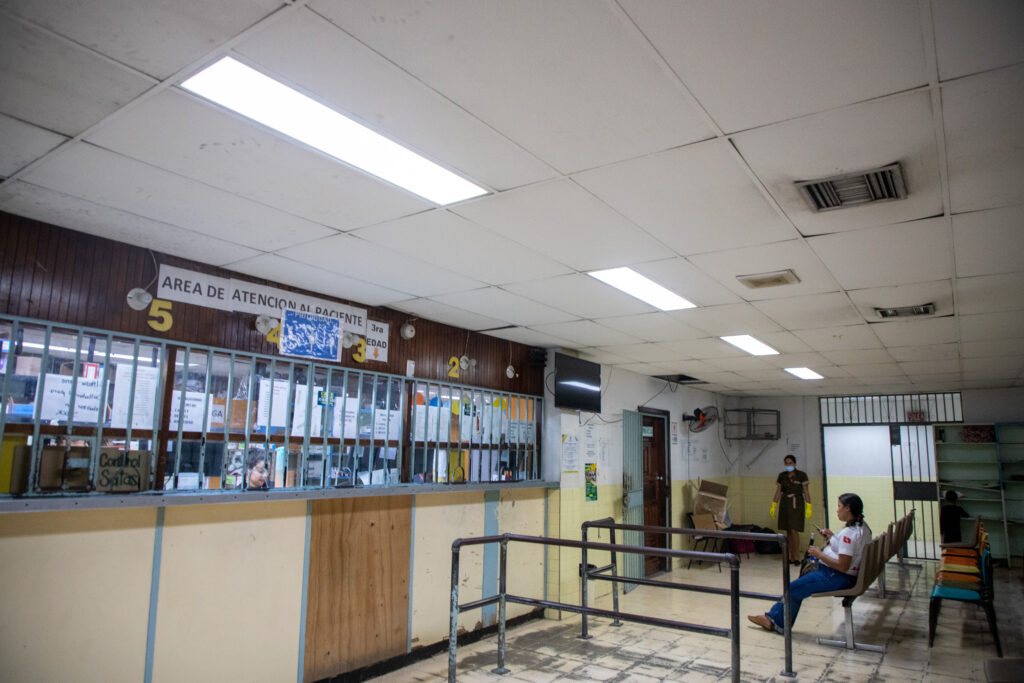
(377, 341)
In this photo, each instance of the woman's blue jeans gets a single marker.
(824, 580)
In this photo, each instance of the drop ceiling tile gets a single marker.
(707, 348)
(57, 85)
(931, 367)
(990, 293)
(806, 312)
(305, 50)
(530, 71)
(925, 352)
(103, 177)
(49, 206)
(919, 251)
(984, 135)
(989, 242)
(449, 315)
(362, 260)
(137, 34)
(875, 371)
(840, 338)
(755, 63)
(316, 280)
(775, 375)
(580, 295)
(849, 140)
(940, 381)
(971, 37)
(939, 293)
(605, 355)
(1000, 366)
(512, 309)
(784, 342)
(858, 356)
(741, 364)
(986, 326)
(992, 347)
(726, 266)
(652, 327)
(573, 226)
(585, 333)
(645, 352)
(797, 360)
(695, 199)
(917, 332)
(202, 141)
(525, 335)
(23, 143)
(440, 236)
(644, 368)
(730, 379)
(727, 320)
(688, 281)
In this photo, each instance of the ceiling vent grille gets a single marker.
(854, 189)
(775, 279)
(905, 311)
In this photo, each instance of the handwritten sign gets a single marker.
(122, 471)
(57, 399)
(147, 379)
(377, 341)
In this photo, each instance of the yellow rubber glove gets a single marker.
(807, 510)
(772, 509)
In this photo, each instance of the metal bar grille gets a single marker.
(891, 409)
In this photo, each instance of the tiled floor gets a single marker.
(549, 650)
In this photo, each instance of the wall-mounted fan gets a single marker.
(702, 418)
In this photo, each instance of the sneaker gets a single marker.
(763, 621)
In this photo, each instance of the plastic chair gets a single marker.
(707, 523)
(981, 595)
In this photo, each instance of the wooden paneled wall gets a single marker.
(358, 599)
(60, 275)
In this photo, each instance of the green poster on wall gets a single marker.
(590, 470)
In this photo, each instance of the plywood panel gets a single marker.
(230, 592)
(358, 597)
(75, 594)
(440, 519)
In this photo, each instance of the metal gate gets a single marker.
(914, 485)
(632, 494)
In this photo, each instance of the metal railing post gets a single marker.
(584, 576)
(734, 600)
(502, 590)
(453, 626)
(615, 584)
(787, 630)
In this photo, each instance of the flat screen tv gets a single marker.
(577, 384)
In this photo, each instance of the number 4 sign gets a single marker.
(377, 341)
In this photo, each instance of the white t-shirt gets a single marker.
(850, 540)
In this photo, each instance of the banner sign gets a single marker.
(240, 296)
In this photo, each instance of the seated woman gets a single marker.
(838, 563)
(256, 462)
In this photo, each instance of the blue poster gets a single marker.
(310, 336)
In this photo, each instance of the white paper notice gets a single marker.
(193, 421)
(280, 403)
(299, 414)
(146, 380)
(570, 453)
(57, 398)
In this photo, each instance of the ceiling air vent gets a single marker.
(680, 379)
(762, 280)
(905, 311)
(854, 189)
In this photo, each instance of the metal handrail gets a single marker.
(502, 598)
(598, 573)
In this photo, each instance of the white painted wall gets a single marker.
(858, 451)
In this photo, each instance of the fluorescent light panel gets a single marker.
(242, 89)
(636, 285)
(804, 373)
(752, 346)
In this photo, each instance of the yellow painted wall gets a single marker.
(74, 590)
(440, 518)
(521, 511)
(230, 592)
(574, 510)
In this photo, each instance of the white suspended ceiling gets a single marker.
(657, 134)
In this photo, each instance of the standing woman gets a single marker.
(793, 502)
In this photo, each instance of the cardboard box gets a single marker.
(77, 460)
(123, 471)
(19, 469)
(51, 468)
(711, 500)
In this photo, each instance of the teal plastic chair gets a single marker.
(982, 597)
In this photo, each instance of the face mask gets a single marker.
(790, 468)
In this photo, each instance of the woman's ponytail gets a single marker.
(856, 505)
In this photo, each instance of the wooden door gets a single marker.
(656, 491)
